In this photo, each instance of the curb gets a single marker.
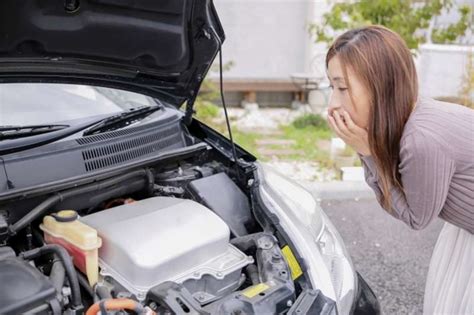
(340, 190)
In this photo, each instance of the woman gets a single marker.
(417, 153)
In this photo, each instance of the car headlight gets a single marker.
(313, 236)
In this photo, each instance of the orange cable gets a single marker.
(113, 304)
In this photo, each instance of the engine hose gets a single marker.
(103, 292)
(58, 274)
(60, 196)
(84, 283)
(252, 272)
(115, 305)
(71, 274)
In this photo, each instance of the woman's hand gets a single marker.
(349, 132)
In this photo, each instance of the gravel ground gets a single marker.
(391, 257)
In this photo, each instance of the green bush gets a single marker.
(311, 120)
(206, 110)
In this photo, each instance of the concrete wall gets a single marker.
(267, 39)
(441, 69)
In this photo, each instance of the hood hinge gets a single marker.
(188, 113)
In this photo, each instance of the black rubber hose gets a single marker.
(63, 255)
(38, 237)
(57, 274)
(84, 283)
(33, 214)
(29, 237)
(252, 272)
(103, 292)
(60, 196)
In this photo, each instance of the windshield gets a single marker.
(44, 103)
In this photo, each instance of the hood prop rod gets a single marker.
(221, 88)
(189, 108)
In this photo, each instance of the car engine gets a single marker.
(175, 239)
(168, 239)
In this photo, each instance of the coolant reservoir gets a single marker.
(79, 239)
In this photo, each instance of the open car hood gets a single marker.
(162, 48)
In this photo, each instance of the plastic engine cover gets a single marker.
(160, 239)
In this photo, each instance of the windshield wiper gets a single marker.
(14, 132)
(95, 125)
(122, 119)
(32, 141)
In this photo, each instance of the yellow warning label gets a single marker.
(252, 291)
(295, 267)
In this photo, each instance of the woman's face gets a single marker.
(358, 106)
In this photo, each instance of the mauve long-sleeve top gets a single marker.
(436, 166)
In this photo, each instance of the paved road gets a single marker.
(391, 257)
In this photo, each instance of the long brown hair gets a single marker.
(381, 59)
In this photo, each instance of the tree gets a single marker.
(409, 18)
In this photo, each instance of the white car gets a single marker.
(114, 199)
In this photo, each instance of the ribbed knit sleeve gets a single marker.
(436, 166)
(426, 171)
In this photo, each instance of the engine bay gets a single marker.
(184, 237)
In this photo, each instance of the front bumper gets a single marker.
(366, 302)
